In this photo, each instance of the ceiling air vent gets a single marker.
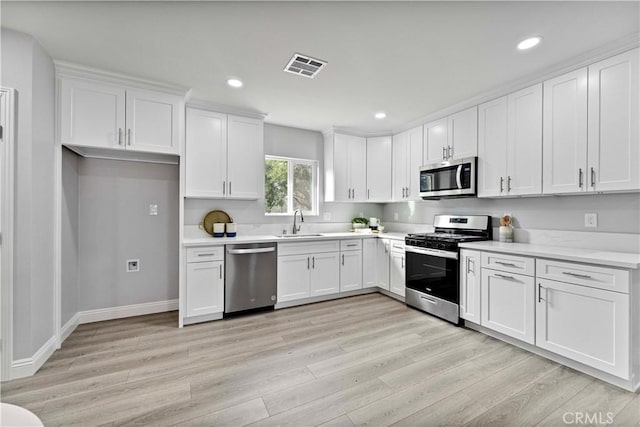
(304, 65)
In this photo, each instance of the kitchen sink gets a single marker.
(289, 236)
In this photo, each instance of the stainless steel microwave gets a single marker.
(456, 178)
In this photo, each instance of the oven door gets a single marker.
(433, 272)
(451, 179)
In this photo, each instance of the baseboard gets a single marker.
(101, 314)
(28, 366)
(69, 327)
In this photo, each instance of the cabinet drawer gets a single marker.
(207, 253)
(611, 279)
(351, 245)
(313, 247)
(397, 246)
(509, 263)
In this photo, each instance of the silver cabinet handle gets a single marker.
(540, 293)
(580, 177)
(128, 136)
(119, 136)
(407, 192)
(448, 151)
(353, 193)
(507, 264)
(368, 194)
(580, 276)
(504, 276)
(402, 262)
(220, 268)
(508, 183)
(208, 254)
(593, 178)
(351, 245)
(444, 155)
(403, 192)
(224, 187)
(307, 263)
(501, 184)
(342, 259)
(229, 187)
(313, 263)
(250, 251)
(469, 261)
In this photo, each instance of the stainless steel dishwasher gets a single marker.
(251, 276)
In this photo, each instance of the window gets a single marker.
(290, 184)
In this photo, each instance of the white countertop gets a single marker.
(590, 256)
(208, 241)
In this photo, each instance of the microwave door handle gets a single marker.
(459, 177)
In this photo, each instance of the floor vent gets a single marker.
(303, 65)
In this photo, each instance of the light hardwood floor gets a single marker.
(365, 360)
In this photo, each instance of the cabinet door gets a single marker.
(341, 167)
(436, 141)
(614, 138)
(463, 134)
(205, 288)
(293, 277)
(379, 169)
(350, 271)
(153, 122)
(325, 274)
(492, 148)
(382, 263)
(397, 273)
(245, 162)
(399, 169)
(415, 156)
(564, 133)
(470, 285)
(584, 324)
(507, 304)
(91, 114)
(358, 168)
(205, 154)
(369, 263)
(524, 164)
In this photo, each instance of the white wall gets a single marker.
(27, 68)
(115, 225)
(70, 235)
(288, 142)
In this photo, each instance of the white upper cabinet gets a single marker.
(565, 133)
(455, 136)
(223, 155)
(379, 169)
(245, 164)
(407, 159)
(206, 154)
(92, 114)
(510, 144)
(613, 122)
(103, 115)
(345, 168)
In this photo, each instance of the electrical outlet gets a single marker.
(326, 216)
(133, 265)
(395, 216)
(591, 220)
(153, 209)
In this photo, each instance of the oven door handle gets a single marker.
(459, 177)
(432, 252)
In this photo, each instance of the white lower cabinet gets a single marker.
(585, 324)
(324, 276)
(350, 270)
(507, 304)
(397, 269)
(382, 262)
(205, 282)
(293, 277)
(370, 277)
(470, 285)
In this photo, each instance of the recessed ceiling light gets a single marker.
(529, 43)
(380, 115)
(234, 83)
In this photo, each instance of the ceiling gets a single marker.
(408, 59)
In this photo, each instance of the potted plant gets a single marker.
(359, 222)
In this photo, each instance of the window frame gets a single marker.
(315, 168)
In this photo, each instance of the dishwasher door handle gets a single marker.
(250, 251)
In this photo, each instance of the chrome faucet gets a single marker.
(296, 229)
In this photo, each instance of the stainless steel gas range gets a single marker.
(432, 266)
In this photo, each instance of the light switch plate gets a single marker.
(591, 220)
(153, 209)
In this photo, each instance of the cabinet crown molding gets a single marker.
(225, 109)
(354, 132)
(70, 69)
